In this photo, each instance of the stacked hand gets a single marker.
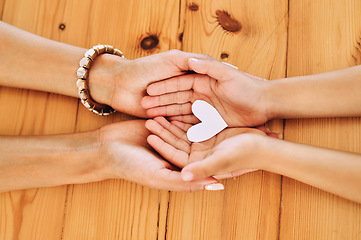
(173, 80)
(127, 155)
(238, 97)
(213, 157)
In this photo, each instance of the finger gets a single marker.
(166, 136)
(189, 119)
(171, 180)
(175, 84)
(234, 174)
(170, 110)
(167, 99)
(170, 153)
(210, 166)
(182, 125)
(172, 128)
(212, 68)
(163, 65)
(275, 135)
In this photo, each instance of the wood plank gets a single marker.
(117, 208)
(30, 213)
(249, 207)
(2, 3)
(323, 36)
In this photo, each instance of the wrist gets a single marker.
(272, 100)
(267, 152)
(46, 161)
(103, 75)
(254, 149)
(259, 151)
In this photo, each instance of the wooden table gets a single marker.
(267, 38)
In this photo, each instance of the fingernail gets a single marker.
(230, 65)
(187, 176)
(193, 59)
(214, 187)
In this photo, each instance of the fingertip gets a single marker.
(149, 123)
(162, 121)
(228, 64)
(187, 175)
(151, 113)
(145, 103)
(153, 139)
(192, 63)
(214, 187)
(151, 90)
(193, 60)
(159, 119)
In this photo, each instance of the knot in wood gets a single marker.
(149, 42)
(227, 22)
(193, 7)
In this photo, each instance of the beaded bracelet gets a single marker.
(83, 74)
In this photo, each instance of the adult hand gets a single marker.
(127, 155)
(170, 140)
(240, 98)
(122, 83)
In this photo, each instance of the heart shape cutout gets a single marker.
(211, 122)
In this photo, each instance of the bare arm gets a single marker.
(245, 100)
(333, 171)
(331, 94)
(44, 161)
(116, 151)
(33, 62)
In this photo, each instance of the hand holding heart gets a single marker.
(238, 100)
(170, 140)
(211, 122)
(238, 97)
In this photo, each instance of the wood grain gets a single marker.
(119, 209)
(266, 38)
(2, 3)
(30, 212)
(249, 207)
(323, 36)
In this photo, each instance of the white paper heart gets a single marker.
(211, 122)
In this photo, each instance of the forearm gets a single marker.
(333, 171)
(331, 94)
(28, 162)
(32, 62)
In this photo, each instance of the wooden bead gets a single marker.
(83, 74)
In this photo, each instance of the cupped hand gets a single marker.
(127, 155)
(122, 83)
(170, 140)
(240, 98)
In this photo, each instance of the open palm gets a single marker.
(131, 78)
(128, 155)
(237, 96)
(170, 140)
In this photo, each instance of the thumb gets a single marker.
(213, 68)
(210, 166)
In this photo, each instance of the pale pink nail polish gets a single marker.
(230, 65)
(193, 59)
(214, 187)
